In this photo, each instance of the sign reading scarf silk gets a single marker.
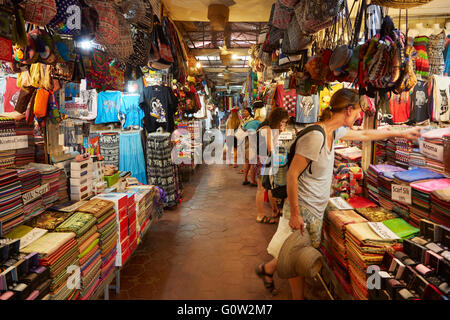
(68, 17)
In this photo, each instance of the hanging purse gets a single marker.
(108, 23)
(63, 70)
(41, 103)
(39, 12)
(282, 16)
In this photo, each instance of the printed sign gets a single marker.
(432, 150)
(401, 193)
(13, 143)
(384, 232)
(36, 193)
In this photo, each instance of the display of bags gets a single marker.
(39, 12)
(123, 48)
(282, 16)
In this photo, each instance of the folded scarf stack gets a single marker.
(49, 174)
(364, 248)
(106, 227)
(83, 225)
(440, 206)
(58, 251)
(144, 204)
(31, 180)
(385, 180)
(11, 205)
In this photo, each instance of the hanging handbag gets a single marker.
(41, 103)
(123, 48)
(282, 16)
(79, 71)
(108, 23)
(39, 12)
(147, 22)
(63, 70)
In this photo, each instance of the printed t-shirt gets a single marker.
(158, 105)
(11, 94)
(108, 107)
(130, 109)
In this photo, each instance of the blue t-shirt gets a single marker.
(252, 125)
(131, 110)
(108, 107)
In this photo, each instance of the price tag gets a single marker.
(340, 204)
(13, 143)
(401, 193)
(432, 150)
(384, 232)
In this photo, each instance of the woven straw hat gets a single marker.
(298, 258)
(400, 4)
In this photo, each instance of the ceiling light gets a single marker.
(235, 57)
(86, 44)
(198, 65)
(220, 75)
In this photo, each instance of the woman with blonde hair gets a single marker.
(309, 177)
(233, 123)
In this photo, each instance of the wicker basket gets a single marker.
(218, 15)
(400, 4)
(226, 59)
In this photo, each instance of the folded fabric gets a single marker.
(401, 228)
(443, 194)
(436, 133)
(417, 174)
(50, 219)
(49, 243)
(360, 202)
(342, 218)
(79, 223)
(365, 235)
(377, 214)
(97, 207)
(432, 185)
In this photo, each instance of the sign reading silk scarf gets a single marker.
(109, 148)
(68, 17)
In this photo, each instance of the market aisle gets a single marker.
(207, 248)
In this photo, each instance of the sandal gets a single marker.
(245, 183)
(253, 184)
(267, 220)
(270, 286)
(276, 214)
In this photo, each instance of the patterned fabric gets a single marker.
(435, 53)
(109, 148)
(160, 169)
(422, 63)
(79, 223)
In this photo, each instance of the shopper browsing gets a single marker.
(233, 123)
(308, 191)
(276, 123)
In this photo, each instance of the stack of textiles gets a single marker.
(385, 179)
(421, 198)
(58, 251)
(360, 202)
(39, 147)
(49, 174)
(440, 207)
(347, 179)
(401, 228)
(417, 159)
(63, 195)
(377, 214)
(373, 173)
(351, 154)
(406, 178)
(7, 158)
(83, 225)
(434, 140)
(106, 226)
(30, 179)
(380, 151)
(143, 207)
(11, 205)
(7, 127)
(403, 148)
(25, 155)
(390, 152)
(334, 229)
(364, 248)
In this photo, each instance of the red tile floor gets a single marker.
(206, 248)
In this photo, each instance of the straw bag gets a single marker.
(108, 23)
(123, 49)
(39, 12)
(400, 4)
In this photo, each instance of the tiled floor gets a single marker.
(206, 248)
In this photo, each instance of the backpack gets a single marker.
(276, 181)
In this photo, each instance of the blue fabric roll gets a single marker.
(132, 156)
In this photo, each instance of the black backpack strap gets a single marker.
(301, 134)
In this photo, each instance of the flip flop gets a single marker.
(245, 183)
(266, 220)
